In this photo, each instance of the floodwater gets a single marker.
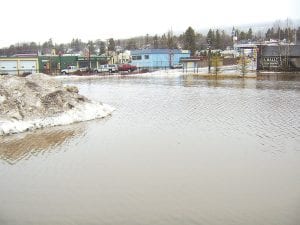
(178, 150)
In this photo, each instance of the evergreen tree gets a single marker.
(102, 48)
(249, 34)
(201, 42)
(190, 40)
(218, 39)
(209, 34)
(111, 45)
(243, 35)
(100, 45)
(272, 33)
(210, 38)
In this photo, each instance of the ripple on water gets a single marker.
(175, 151)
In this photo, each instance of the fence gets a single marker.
(20, 72)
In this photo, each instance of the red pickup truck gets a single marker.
(126, 67)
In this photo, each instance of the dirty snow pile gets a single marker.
(37, 101)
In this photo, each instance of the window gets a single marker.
(136, 57)
(146, 56)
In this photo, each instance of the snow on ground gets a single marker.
(81, 112)
(224, 71)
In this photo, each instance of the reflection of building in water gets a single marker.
(212, 81)
(17, 147)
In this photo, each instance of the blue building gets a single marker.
(157, 58)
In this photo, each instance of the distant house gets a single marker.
(120, 58)
(194, 62)
(202, 61)
(157, 58)
(229, 53)
(246, 49)
(278, 57)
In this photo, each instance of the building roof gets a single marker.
(159, 51)
(246, 45)
(280, 50)
(193, 59)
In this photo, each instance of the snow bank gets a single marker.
(83, 112)
(39, 101)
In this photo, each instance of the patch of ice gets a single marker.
(81, 112)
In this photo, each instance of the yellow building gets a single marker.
(19, 65)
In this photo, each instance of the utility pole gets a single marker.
(89, 66)
(287, 56)
(60, 61)
(209, 54)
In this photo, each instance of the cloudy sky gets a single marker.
(62, 20)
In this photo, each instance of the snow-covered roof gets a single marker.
(159, 51)
(248, 45)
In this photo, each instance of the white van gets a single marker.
(111, 68)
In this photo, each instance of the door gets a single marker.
(27, 67)
(8, 67)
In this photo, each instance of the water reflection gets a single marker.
(279, 77)
(263, 81)
(25, 145)
(215, 82)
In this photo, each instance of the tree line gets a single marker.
(190, 40)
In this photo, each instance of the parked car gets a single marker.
(111, 68)
(83, 69)
(70, 69)
(126, 67)
(177, 66)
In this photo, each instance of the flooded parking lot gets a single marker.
(177, 150)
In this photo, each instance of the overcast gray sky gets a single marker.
(38, 20)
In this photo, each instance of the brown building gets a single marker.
(278, 57)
